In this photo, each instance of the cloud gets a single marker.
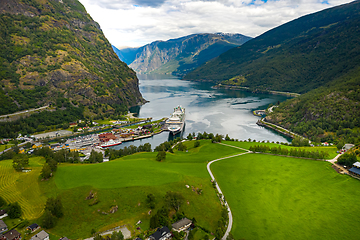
(139, 22)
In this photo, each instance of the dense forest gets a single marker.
(298, 56)
(53, 49)
(329, 113)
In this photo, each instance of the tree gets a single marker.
(347, 159)
(196, 143)
(54, 206)
(20, 162)
(150, 201)
(181, 147)
(161, 156)
(49, 221)
(14, 210)
(46, 171)
(174, 200)
(117, 236)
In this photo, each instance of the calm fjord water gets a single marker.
(212, 110)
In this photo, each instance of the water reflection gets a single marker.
(220, 111)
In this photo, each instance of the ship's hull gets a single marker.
(110, 145)
(175, 124)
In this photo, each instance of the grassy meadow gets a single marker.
(274, 197)
(23, 187)
(271, 197)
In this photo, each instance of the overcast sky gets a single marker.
(134, 23)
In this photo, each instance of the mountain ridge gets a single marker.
(179, 55)
(53, 51)
(279, 58)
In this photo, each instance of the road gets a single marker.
(219, 190)
(26, 111)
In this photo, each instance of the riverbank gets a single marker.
(277, 128)
(232, 87)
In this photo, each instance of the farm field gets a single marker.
(23, 187)
(273, 197)
(246, 145)
(127, 181)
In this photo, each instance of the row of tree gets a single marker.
(292, 152)
(114, 154)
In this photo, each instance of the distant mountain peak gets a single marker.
(180, 55)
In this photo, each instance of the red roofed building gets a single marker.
(104, 137)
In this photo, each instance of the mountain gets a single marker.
(298, 56)
(181, 55)
(53, 52)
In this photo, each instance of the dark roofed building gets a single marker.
(161, 234)
(3, 226)
(182, 225)
(33, 227)
(355, 170)
(11, 235)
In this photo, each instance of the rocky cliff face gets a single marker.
(52, 50)
(178, 56)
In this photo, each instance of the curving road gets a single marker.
(219, 190)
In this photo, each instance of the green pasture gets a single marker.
(246, 145)
(23, 187)
(273, 197)
(127, 181)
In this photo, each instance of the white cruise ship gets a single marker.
(176, 122)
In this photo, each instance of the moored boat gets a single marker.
(110, 143)
(175, 124)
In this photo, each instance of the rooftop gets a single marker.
(355, 170)
(183, 222)
(357, 164)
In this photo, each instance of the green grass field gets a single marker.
(23, 187)
(246, 145)
(127, 181)
(273, 197)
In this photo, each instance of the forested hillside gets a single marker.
(329, 113)
(53, 52)
(298, 56)
(181, 55)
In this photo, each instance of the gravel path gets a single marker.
(219, 190)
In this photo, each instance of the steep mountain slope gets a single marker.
(329, 113)
(298, 56)
(181, 55)
(52, 51)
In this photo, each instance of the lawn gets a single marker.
(23, 187)
(331, 149)
(273, 197)
(127, 181)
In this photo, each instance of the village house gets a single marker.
(181, 225)
(3, 214)
(355, 170)
(160, 234)
(11, 235)
(37, 145)
(41, 236)
(3, 226)
(33, 227)
(347, 147)
(105, 137)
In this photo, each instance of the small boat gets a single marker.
(176, 122)
(110, 143)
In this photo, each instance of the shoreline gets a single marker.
(289, 94)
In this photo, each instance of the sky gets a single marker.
(134, 23)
